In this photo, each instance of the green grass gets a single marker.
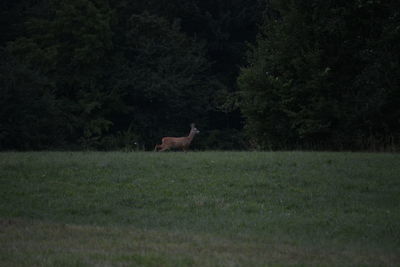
(199, 208)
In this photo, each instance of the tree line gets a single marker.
(268, 74)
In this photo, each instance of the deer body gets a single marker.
(177, 142)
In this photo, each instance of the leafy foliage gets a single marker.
(31, 115)
(163, 77)
(67, 44)
(85, 73)
(317, 77)
(116, 68)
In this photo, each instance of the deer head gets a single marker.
(194, 129)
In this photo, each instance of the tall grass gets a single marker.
(199, 208)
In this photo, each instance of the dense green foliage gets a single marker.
(210, 208)
(109, 74)
(325, 74)
(103, 74)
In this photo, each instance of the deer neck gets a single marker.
(191, 135)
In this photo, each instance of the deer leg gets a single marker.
(163, 149)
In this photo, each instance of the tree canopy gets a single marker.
(99, 74)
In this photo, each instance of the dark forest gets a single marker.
(252, 74)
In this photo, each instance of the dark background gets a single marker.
(264, 74)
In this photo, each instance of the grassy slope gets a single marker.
(203, 208)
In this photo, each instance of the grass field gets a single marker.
(199, 209)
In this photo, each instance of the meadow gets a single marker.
(199, 209)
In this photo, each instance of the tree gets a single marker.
(223, 27)
(163, 76)
(69, 43)
(30, 116)
(314, 77)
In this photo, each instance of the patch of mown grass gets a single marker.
(30, 243)
(293, 207)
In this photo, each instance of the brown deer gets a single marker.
(177, 142)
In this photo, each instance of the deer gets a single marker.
(177, 142)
